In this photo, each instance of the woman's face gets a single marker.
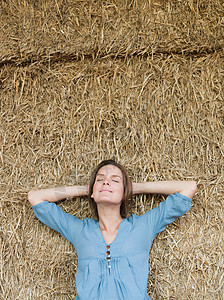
(108, 186)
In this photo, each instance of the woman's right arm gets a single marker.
(57, 194)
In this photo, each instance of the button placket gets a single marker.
(108, 258)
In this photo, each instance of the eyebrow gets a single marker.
(112, 175)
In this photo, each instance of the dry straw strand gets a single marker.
(138, 81)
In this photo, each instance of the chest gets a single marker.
(109, 237)
(127, 240)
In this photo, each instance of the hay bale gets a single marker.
(155, 104)
(56, 29)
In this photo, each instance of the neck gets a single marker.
(109, 217)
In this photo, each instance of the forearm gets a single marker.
(57, 194)
(187, 188)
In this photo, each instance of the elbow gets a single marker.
(192, 189)
(32, 198)
(194, 186)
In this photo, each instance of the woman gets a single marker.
(112, 250)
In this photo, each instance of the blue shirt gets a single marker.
(128, 275)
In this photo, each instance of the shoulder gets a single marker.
(134, 219)
(50, 213)
(89, 222)
(173, 202)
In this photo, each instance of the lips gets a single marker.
(108, 191)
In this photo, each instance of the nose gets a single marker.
(106, 182)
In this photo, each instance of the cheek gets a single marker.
(122, 192)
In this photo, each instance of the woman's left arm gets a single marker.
(186, 188)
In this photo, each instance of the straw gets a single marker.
(138, 81)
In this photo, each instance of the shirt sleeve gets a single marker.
(54, 217)
(173, 207)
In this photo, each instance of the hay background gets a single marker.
(140, 81)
